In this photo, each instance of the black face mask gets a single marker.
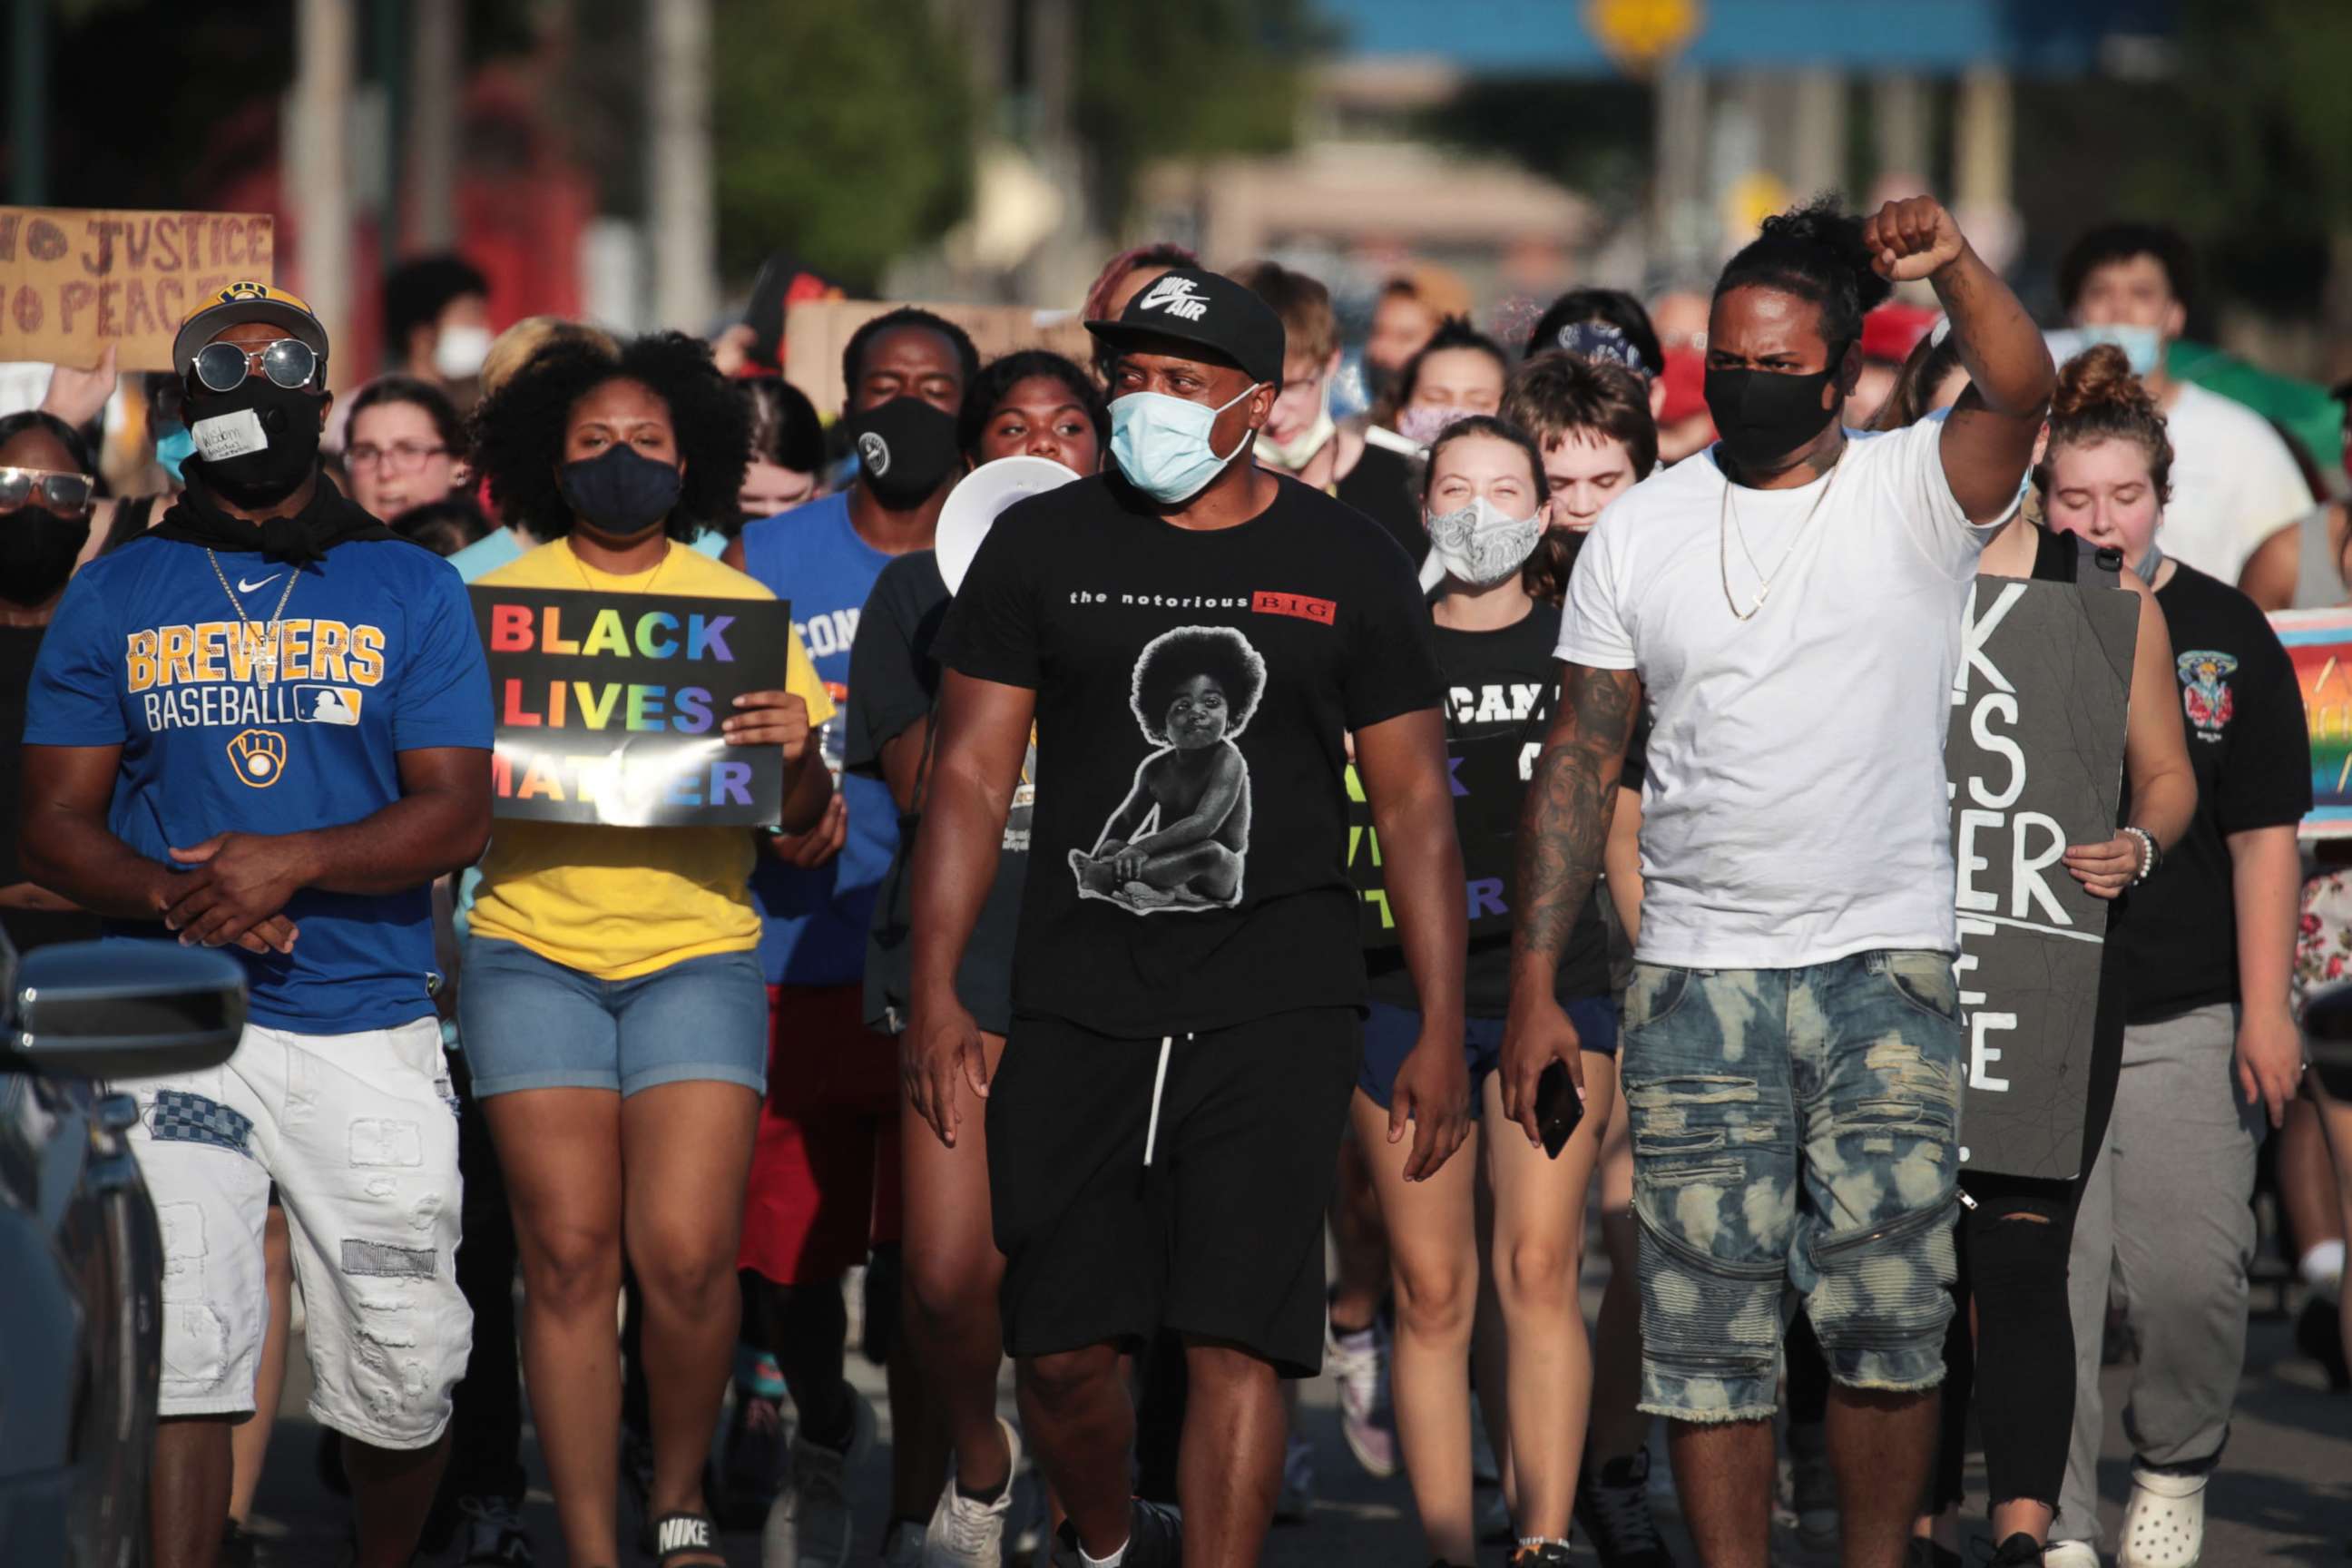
(1763, 415)
(288, 426)
(38, 550)
(621, 491)
(906, 449)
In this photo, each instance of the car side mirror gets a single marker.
(123, 1009)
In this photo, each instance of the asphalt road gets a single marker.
(2284, 1495)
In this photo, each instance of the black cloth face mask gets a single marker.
(1763, 415)
(906, 449)
(621, 491)
(287, 421)
(37, 551)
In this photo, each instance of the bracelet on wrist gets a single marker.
(2150, 857)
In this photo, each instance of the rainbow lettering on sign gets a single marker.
(2319, 645)
(631, 707)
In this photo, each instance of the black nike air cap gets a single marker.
(1204, 309)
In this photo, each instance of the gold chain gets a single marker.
(263, 653)
(669, 547)
(1727, 523)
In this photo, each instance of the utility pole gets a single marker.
(318, 155)
(436, 111)
(682, 204)
(28, 102)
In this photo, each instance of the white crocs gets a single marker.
(2070, 1554)
(2163, 1523)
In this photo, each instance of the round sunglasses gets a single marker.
(66, 494)
(223, 367)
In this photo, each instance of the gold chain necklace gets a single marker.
(250, 637)
(1727, 523)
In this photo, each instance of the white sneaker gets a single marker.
(2163, 1523)
(905, 1548)
(2070, 1554)
(969, 1534)
(1360, 1365)
(810, 1524)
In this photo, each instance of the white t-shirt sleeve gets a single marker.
(1924, 501)
(2274, 493)
(1594, 630)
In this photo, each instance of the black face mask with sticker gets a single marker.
(256, 443)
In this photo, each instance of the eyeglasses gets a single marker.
(401, 457)
(223, 367)
(65, 494)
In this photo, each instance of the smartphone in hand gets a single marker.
(1558, 1108)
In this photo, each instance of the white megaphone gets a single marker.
(980, 497)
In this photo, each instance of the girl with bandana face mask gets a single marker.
(1486, 504)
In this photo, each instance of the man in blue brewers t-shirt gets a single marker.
(266, 725)
(830, 1119)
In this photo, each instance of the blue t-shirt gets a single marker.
(814, 923)
(379, 657)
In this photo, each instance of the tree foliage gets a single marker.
(843, 133)
(1195, 81)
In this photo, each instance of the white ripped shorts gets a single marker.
(360, 1134)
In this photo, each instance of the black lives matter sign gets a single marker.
(2035, 755)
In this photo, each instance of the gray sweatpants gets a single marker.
(2165, 1213)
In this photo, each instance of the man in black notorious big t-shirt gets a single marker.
(1195, 639)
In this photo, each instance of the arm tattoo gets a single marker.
(1564, 822)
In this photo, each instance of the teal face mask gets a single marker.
(173, 446)
(1161, 443)
(2144, 346)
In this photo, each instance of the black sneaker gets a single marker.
(2020, 1551)
(1542, 1555)
(237, 1548)
(2320, 1334)
(493, 1536)
(1612, 1508)
(1155, 1539)
(755, 1463)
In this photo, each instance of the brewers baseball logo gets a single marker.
(258, 756)
(2205, 692)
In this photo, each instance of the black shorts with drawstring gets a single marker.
(1221, 1236)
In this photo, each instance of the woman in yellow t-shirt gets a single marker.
(611, 1009)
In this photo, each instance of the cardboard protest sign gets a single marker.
(1490, 776)
(609, 706)
(2319, 645)
(2035, 754)
(817, 331)
(74, 280)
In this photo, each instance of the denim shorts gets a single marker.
(1792, 1127)
(526, 1022)
(1391, 1033)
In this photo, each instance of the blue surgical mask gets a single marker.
(1162, 444)
(173, 446)
(2144, 346)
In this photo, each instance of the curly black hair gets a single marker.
(984, 392)
(517, 431)
(1817, 253)
(853, 354)
(1175, 657)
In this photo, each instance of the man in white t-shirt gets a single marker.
(1789, 602)
(2234, 480)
